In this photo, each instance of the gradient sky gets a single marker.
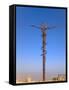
(29, 41)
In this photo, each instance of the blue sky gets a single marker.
(29, 41)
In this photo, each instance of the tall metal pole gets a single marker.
(44, 51)
(43, 29)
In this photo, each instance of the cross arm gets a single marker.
(52, 27)
(35, 26)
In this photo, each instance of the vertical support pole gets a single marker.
(43, 68)
(44, 52)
